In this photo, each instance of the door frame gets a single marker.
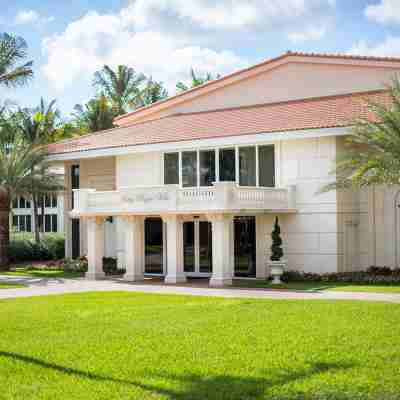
(196, 273)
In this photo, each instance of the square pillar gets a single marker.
(134, 248)
(95, 245)
(175, 273)
(222, 242)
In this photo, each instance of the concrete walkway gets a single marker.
(45, 286)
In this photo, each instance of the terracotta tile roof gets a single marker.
(323, 112)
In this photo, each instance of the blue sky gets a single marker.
(70, 40)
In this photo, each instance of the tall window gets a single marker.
(227, 165)
(54, 201)
(266, 166)
(22, 223)
(247, 166)
(171, 169)
(189, 168)
(207, 167)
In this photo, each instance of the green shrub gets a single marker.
(373, 275)
(24, 248)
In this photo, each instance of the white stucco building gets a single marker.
(190, 186)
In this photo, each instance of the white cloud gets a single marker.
(224, 14)
(164, 38)
(390, 47)
(94, 40)
(387, 11)
(309, 34)
(30, 17)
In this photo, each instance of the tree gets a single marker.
(13, 49)
(196, 80)
(276, 248)
(373, 153)
(96, 115)
(36, 128)
(121, 87)
(151, 93)
(22, 167)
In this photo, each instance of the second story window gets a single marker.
(207, 167)
(171, 169)
(247, 166)
(189, 168)
(227, 165)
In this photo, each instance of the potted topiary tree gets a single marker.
(276, 265)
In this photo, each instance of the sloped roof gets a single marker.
(323, 112)
(290, 56)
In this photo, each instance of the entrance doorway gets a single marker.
(153, 239)
(197, 248)
(245, 246)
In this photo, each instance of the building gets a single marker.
(190, 186)
(22, 219)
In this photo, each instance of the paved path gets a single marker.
(42, 286)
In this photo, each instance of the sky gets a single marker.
(69, 40)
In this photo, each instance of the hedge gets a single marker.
(24, 248)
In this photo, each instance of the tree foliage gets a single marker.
(121, 87)
(196, 80)
(372, 154)
(13, 50)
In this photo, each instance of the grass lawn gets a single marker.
(141, 346)
(41, 273)
(317, 286)
(4, 285)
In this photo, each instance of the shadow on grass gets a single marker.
(194, 386)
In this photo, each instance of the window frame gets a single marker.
(276, 145)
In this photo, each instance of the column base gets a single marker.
(133, 278)
(175, 279)
(95, 276)
(220, 282)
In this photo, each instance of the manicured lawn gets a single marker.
(366, 288)
(317, 286)
(4, 285)
(41, 273)
(138, 346)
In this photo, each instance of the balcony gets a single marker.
(222, 197)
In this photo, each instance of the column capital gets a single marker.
(171, 218)
(97, 219)
(215, 217)
(132, 218)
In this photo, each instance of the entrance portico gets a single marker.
(221, 248)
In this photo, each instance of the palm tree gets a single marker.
(196, 80)
(96, 115)
(13, 49)
(38, 127)
(122, 86)
(373, 156)
(151, 93)
(22, 167)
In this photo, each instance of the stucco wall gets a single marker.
(287, 82)
(99, 174)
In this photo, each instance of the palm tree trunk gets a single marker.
(35, 218)
(4, 230)
(42, 210)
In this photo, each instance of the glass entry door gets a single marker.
(197, 248)
(245, 246)
(153, 236)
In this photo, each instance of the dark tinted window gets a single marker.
(247, 166)
(266, 163)
(189, 168)
(227, 164)
(207, 167)
(171, 169)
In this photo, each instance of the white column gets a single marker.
(134, 248)
(95, 247)
(175, 273)
(222, 242)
